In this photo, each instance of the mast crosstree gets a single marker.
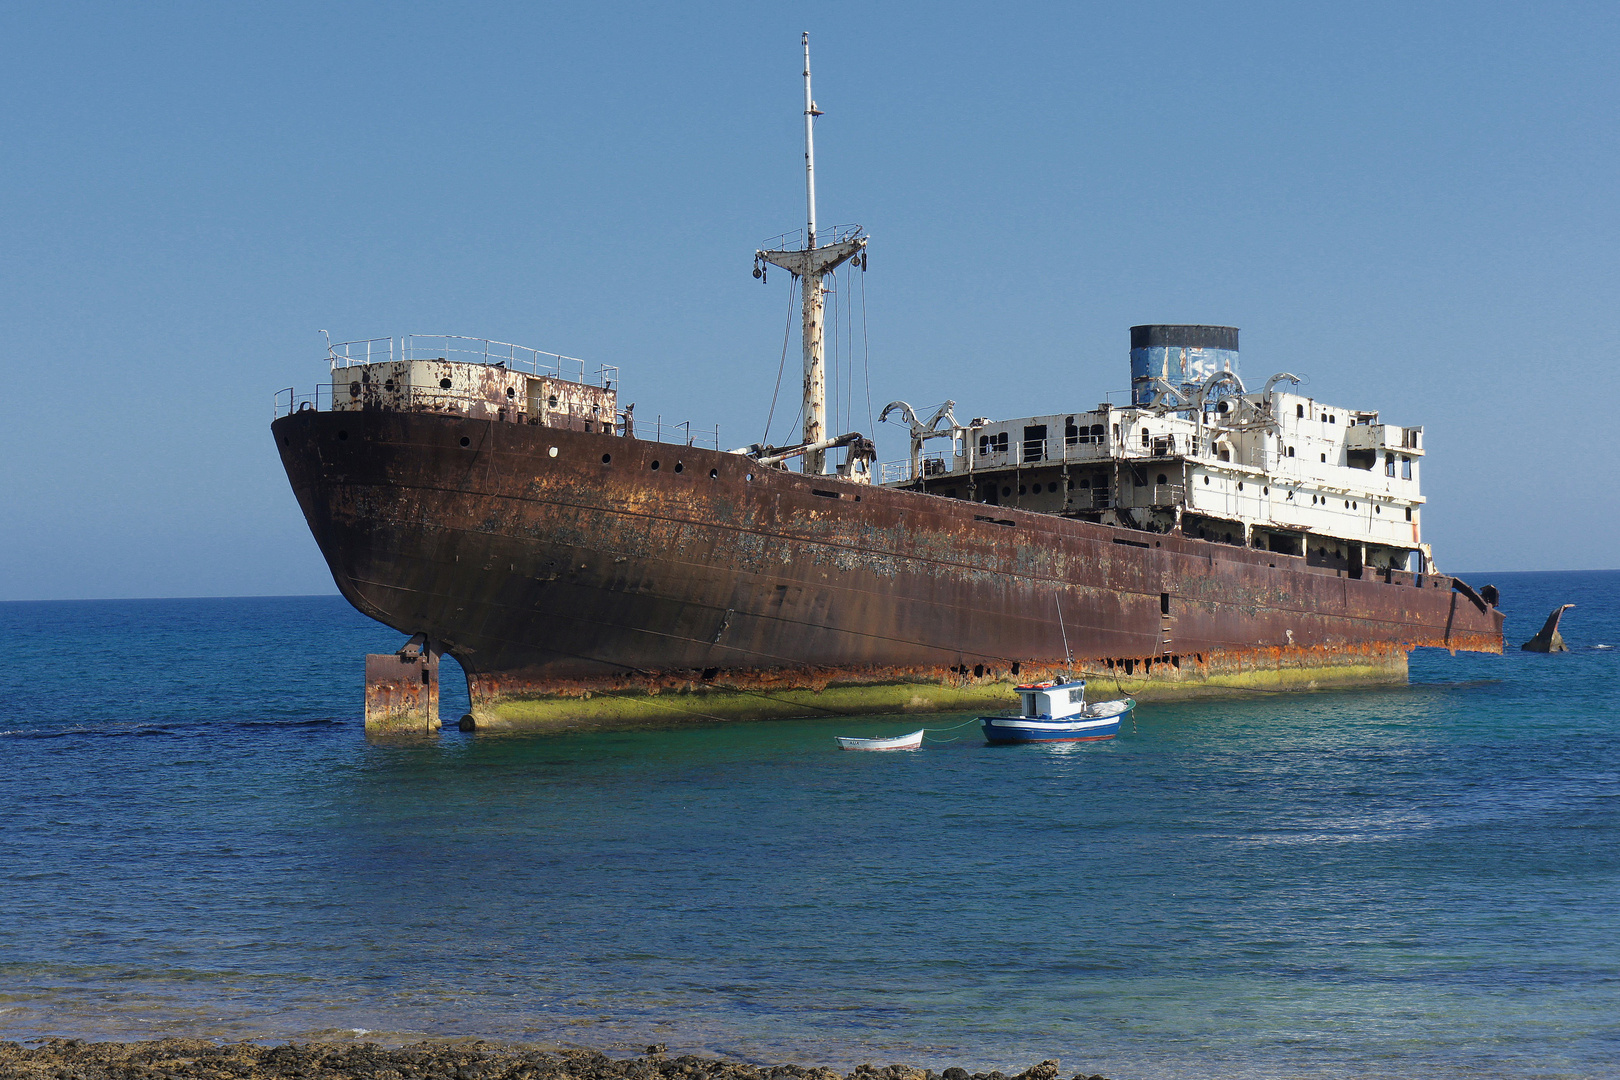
(810, 263)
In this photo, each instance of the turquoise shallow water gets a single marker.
(1416, 882)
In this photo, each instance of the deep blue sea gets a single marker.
(1420, 882)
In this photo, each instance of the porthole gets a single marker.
(679, 467)
(1206, 481)
(510, 393)
(1265, 491)
(444, 384)
(466, 441)
(1355, 506)
(1347, 504)
(1020, 489)
(552, 452)
(388, 384)
(1006, 492)
(607, 459)
(1240, 485)
(354, 389)
(1052, 487)
(342, 435)
(748, 477)
(552, 401)
(654, 466)
(714, 474)
(1378, 509)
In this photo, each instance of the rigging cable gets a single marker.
(866, 353)
(787, 332)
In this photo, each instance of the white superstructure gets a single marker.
(1273, 469)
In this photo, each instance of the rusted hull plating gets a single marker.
(563, 569)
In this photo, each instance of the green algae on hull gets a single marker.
(1163, 682)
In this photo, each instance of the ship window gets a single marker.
(444, 384)
(1226, 455)
(1020, 489)
(1301, 411)
(1116, 433)
(342, 435)
(1324, 459)
(1290, 451)
(679, 467)
(465, 441)
(1071, 434)
(1355, 506)
(1097, 434)
(1240, 485)
(1144, 436)
(1389, 464)
(1206, 481)
(1265, 491)
(1332, 419)
(655, 466)
(606, 458)
(1052, 487)
(1035, 442)
(552, 401)
(1163, 479)
(388, 384)
(1006, 491)
(1406, 468)
(1378, 509)
(354, 389)
(1408, 513)
(1223, 407)
(714, 474)
(1324, 418)
(1085, 483)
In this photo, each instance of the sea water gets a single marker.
(1424, 881)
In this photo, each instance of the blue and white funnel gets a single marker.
(1183, 356)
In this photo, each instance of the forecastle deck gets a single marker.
(584, 578)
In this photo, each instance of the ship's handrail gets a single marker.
(473, 350)
(677, 434)
(794, 241)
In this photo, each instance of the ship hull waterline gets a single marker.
(584, 579)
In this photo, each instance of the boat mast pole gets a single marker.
(815, 368)
(810, 264)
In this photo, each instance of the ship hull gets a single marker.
(582, 578)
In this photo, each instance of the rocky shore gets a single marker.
(186, 1059)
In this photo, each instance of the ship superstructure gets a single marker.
(1197, 453)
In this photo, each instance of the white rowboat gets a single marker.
(897, 742)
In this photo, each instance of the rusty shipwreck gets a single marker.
(496, 503)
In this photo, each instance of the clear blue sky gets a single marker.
(1414, 205)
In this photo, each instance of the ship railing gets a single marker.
(289, 401)
(681, 434)
(794, 241)
(899, 472)
(1167, 495)
(471, 350)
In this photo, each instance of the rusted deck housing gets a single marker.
(588, 578)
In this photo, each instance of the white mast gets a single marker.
(810, 264)
(810, 114)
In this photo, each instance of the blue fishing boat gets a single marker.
(1057, 712)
